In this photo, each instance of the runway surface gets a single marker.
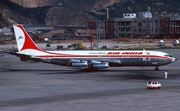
(44, 87)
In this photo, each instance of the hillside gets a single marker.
(75, 4)
(75, 12)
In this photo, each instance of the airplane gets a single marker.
(89, 60)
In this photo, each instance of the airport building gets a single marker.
(144, 25)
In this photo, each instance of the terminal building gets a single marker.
(144, 25)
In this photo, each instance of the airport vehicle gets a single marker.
(87, 59)
(153, 85)
(161, 43)
(176, 43)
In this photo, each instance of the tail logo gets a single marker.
(20, 37)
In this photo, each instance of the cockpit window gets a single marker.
(167, 55)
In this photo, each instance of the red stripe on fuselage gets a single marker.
(97, 56)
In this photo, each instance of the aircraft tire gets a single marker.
(157, 69)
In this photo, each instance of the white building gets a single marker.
(129, 15)
(6, 31)
(144, 15)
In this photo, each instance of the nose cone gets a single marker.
(173, 59)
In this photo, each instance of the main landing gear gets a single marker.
(87, 69)
(156, 68)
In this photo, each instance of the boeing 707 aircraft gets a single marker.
(87, 59)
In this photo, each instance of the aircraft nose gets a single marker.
(173, 59)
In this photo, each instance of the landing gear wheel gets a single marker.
(90, 69)
(86, 69)
(157, 69)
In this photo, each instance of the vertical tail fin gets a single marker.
(24, 41)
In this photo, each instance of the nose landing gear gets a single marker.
(157, 68)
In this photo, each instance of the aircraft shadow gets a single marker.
(132, 76)
(81, 71)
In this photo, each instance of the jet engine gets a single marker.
(98, 64)
(77, 63)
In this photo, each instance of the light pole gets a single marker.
(90, 26)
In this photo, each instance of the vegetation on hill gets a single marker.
(81, 12)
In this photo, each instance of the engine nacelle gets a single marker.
(94, 62)
(77, 63)
(80, 64)
(98, 64)
(74, 61)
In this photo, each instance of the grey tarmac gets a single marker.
(45, 87)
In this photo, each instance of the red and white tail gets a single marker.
(25, 44)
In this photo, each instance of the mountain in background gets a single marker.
(76, 12)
